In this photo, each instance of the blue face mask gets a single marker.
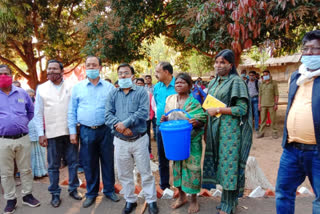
(243, 75)
(92, 73)
(266, 77)
(311, 61)
(125, 82)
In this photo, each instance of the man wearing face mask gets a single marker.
(16, 111)
(268, 102)
(253, 87)
(301, 134)
(87, 108)
(127, 110)
(244, 75)
(52, 100)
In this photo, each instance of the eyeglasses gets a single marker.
(124, 73)
(313, 50)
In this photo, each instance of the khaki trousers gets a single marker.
(264, 114)
(20, 150)
(126, 154)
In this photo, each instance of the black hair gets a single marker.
(140, 79)
(267, 71)
(56, 61)
(186, 77)
(229, 56)
(166, 66)
(148, 76)
(92, 56)
(116, 82)
(311, 35)
(7, 67)
(252, 72)
(126, 65)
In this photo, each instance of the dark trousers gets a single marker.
(60, 147)
(295, 166)
(97, 146)
(154, 127)
(163, 162)
(255, 110)
(149, 134)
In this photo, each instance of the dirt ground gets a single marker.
(266, 150)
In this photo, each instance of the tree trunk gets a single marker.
(31, 62)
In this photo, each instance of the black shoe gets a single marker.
(75, 195)
(11, 206)
(55, 201)
(88, 202)
(30, 201)
(129, 207)
(153, 208)
(113, 197)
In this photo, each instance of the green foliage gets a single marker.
(36, 30)
(260, 55)
(206, 26)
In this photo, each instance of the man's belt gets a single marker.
(257, 96)
(13, 137)
(304, 147)
(132, 139)
(93, 127)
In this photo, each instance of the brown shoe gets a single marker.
(260, 135)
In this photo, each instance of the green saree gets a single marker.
(229, 137)
(187, 173)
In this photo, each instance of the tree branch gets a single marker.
(73, 68)
(9, 62)
(20, 53)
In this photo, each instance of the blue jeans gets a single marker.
(154, 127)
(295, 165)
(163, 162)
(255, 111)
(57, 148)
(97, 146)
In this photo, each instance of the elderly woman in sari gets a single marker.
(187, 173)
(229, 137)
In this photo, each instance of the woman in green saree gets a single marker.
(229, 137)
(187, 173)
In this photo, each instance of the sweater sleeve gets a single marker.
(240, 108)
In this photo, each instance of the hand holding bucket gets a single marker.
(176, 136)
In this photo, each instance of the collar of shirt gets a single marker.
(57, 86)
(170, 84)
(13, 90)
(134, 87)
(87, 82)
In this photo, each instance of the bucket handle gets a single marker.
(188, 115)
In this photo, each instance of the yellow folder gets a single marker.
(212, 102)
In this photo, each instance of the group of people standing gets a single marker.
(264, 95)
(111, 125)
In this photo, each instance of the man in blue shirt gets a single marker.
(163, 89)
(87, 107)
(127, 112)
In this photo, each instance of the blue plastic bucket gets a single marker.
(176, 136)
